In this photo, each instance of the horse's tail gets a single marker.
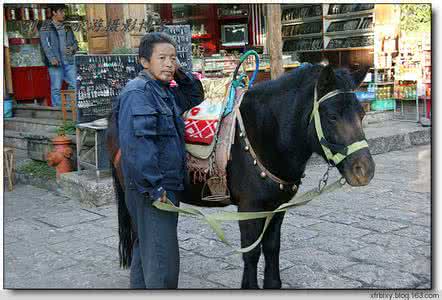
(124, 224)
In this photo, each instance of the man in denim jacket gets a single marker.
(151, 138)
(59, 46)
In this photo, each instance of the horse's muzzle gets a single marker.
(359, 169)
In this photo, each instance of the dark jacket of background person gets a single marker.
(50, 43)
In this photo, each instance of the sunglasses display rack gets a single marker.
(100, 78)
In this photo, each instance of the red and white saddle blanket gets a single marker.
(210, 161)
(202, 121)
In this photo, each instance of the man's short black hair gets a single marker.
(56, 7)
(149, 40)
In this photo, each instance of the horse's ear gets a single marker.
(359, 75)
(326, 81)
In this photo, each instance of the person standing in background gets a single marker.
(59, 46)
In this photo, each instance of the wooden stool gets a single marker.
(71, 95)
(9, 165)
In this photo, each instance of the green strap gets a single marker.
(214, 219)
(338, 157)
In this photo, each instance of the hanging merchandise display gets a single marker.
(100, 78)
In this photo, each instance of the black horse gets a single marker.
(277, 122)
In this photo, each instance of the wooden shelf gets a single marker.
(299, 5)
(388, 68)
(302, 36)
(233, 47)
(188, 19)
(349, 15)
(350, 49)
(350, 33)
(307, 51)
(405, 99)
(300, 21)
(231, 18)
(384, 83)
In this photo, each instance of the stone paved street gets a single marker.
(377, 236)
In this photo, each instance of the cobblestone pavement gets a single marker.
(378, 236)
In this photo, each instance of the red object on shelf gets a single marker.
(17, 41)
(34, 41)
(202, 36)
(31, 83)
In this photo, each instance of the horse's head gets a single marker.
(336, 125)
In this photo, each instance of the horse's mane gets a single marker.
(298, 79)
(292, 80)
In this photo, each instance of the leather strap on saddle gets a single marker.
(264, 171)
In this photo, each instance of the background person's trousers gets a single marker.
(155, 256)
(57, 75)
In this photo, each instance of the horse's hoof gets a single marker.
(248, 286)
(272, 284)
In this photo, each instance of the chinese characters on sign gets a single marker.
(99, 25)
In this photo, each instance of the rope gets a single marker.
(214, 219)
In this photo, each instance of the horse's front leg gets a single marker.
(250, 231)
(271, 243)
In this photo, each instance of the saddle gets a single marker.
(209, 136)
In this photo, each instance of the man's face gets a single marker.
(58, 15)
(162, 64)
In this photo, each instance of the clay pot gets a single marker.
(60, 157)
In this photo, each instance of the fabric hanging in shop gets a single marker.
(258, 24)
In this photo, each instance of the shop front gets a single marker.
(344, 35)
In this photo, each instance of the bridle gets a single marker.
(341, 151)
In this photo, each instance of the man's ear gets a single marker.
(145, 63)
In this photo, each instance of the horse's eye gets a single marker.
(333, 118)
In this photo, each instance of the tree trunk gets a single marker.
(275, 40)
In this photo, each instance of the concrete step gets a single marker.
(32, 125)
(87, 188)
(39, 112)
(36, 145)
(14, 139)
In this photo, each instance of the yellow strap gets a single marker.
(214, 219)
